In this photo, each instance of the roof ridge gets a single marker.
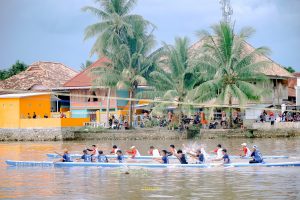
(59, 63)
(85, 70)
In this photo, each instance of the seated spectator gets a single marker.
(34, 115)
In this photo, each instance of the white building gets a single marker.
(297, 88)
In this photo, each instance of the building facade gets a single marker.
(32, 110)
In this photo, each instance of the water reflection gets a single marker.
(114, 183)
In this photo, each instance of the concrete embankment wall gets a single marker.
(138, 134)
(250, 133)
(41, 134)
(54, 134)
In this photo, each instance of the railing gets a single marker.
(94, 124)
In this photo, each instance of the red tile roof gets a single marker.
(84, 78)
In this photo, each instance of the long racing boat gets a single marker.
(75, 156)
(147, 165)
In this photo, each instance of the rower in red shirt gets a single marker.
(133, 152)
(246, 151)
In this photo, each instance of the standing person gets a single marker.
(170, 116)
(114, 150)
(256, 155)
(164, 159)
(65, 157)
(85, 157)
(225, 157)
(203, 120)
(94, 152)
(101, 157)
(110, 122)
(34, 115)
(181, 157)
(28, 116)
(272, 118)
(223, 120)
(153, 152)
(218, 151)
(172, 151)
(197, 118)
(120, 157)
(135, 120)
(120, 121)
(133, 152)
(246, 151)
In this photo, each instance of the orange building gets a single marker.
(32, 110)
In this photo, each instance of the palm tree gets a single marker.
(85, 65)
(129, 77)
(130, 63)
(117, 28)
(175, 78)
(230, 71)
(115, 24)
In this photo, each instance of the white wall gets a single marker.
(298, 92)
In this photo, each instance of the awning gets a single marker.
(55, 98)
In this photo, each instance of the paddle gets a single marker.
(58, 154)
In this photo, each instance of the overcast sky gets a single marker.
(52, 30)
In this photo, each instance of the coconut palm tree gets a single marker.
(128, 78)
(230, 71)
(174, 80)
(116, 28)
(115, 25)
(130, 64)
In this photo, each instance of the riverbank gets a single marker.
(62, 134)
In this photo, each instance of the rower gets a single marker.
(181, 157)
(200, 156)
(120, 156)
(65, 157)
(245, 150)
(164, 159)
(218, 151)
(153, 152)
(133, 152)
(85, 157)
(114, 150)
(94, 152)
(256, 155)
(172, 151)
(225, 157)
(102, 158)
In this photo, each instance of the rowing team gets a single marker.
(95, 155)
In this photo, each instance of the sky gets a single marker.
(53, 30)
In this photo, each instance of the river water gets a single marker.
(171, 183)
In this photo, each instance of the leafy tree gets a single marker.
(85, 65)
(229, 70)
(125, 40)
(114, 26)
(176, 78)
(13, 70)
(290, 69)
(130, 65)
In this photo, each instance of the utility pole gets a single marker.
(226, 10)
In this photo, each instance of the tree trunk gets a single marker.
(130, 109)
(180, 114)
(107, 107)
(230, 112)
